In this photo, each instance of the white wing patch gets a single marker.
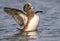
(25, 18)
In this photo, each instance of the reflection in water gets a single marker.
(24, 36)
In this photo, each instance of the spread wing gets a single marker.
(17, 14)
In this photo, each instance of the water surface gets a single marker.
(49, 27)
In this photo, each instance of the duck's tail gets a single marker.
(39, 12)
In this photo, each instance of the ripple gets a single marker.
(2, 29)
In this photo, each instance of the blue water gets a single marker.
(49, 27)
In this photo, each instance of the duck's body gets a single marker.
(30, 20)
(32, 23)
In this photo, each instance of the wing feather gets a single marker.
(17, 14)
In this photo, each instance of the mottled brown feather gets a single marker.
(14, 13)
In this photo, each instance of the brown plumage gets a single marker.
(27, 19)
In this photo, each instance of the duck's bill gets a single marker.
(32, 8)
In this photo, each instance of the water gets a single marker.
(49, 27)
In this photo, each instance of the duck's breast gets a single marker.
(33, 23)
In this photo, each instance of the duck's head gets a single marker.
(27, 7)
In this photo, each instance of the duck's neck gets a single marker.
(30, 13)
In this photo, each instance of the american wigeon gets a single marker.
(29, 19)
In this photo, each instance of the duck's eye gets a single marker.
(28, 5)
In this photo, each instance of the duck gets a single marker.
(27, 18)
